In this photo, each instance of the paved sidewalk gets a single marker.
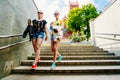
(62, 77)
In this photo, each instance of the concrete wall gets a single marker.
(13, 20)
(105, 29)
(14, 14)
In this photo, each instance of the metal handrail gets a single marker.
(10, 45)
(8, 36)
(108, 38)
(108, 35)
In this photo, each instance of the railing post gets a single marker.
(93, 41)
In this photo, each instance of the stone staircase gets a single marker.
(77, 59)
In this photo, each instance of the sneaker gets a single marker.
(34, 66)
(60, 58)
(53, 66)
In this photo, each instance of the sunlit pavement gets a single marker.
(68, 41)
(62, 77)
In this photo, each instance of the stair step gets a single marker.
(79, 50)
(68, 51)
(67, 69)
(78, 54)
(73, 62)
(71, 46)
(77, 57)
(73, 49)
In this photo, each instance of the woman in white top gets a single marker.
(56, 29)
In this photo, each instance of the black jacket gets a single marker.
(29, 30)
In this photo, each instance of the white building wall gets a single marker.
(108, 22)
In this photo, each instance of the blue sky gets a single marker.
(49, 6)
(100, 4)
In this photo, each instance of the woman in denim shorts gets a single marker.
(39, 26)
(55, 41)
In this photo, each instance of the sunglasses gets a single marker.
(40, 12)
(56, 13)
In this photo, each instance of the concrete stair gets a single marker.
(72, 62)
(68, 70)
(79, 57)
(76, 60)
(79, 54)
(74, 51)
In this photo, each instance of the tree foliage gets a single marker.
(78, 18)
(74, 20)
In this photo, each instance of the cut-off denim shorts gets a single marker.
(52, 37)
(38, 35)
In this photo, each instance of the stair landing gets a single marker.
(61, 77)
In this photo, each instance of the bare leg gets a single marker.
(38, 45)
(34, 43)
(52, 45)
(56, 53)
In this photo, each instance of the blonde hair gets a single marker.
(56, 12)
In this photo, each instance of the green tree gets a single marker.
(74, 20)
(78, 18)
(88, 12)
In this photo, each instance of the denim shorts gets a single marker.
(38, 35)
(52, 37)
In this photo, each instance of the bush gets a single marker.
(78, 38)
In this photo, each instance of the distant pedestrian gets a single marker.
(29, 29)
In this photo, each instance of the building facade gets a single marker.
(73, 4)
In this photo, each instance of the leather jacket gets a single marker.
(29, 29)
